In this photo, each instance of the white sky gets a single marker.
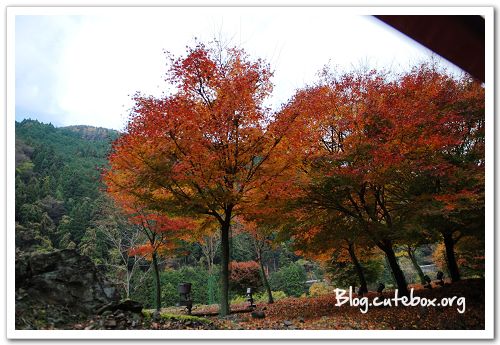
(83, 69)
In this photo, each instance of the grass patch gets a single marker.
(168, 316)
(148, 314)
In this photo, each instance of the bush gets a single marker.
(244, 275)
(289, 279)
(319, 289)
(238, 299)
(204, 288)
(260, 297)
(198, 277)
(343, 274)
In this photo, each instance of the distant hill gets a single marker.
(58, 186)
(93, 133)
(66, 140)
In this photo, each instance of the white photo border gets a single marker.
(488, 333)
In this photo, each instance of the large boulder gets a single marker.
(62, 278)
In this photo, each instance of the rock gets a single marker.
(22, 269)
(106, 313)
(106, 307)
(110, 323)
(258, 314)
(287, 323)
(64, 281)
(124, 306)
(301, 319)
(130, 305)
(68, 278)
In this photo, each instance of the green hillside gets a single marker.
(58, 182)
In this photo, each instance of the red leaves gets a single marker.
(244, 275)
(322, 312)
(204, 146)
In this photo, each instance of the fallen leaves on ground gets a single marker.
(322, 312)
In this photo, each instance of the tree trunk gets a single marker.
(270, 299)
(359, 270)
(451, 261)
(396, 270)
(390, 270)
(413, 259)
(158, 283)
(224, 300)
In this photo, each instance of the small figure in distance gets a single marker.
(440, 278)
(428, 284)
(380, 288)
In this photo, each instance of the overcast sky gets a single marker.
(82, 69)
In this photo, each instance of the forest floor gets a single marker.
(323, 313)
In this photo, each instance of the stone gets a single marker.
(110, 323)
(130, 305)
(118, 307)
(67, 278)
(68, 285)
(258, 314)
(287, 323)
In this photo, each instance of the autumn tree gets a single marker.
(325, 236)
(455, 187)
(370, 143)
(162, 233)
(109, 241)
(203, 148)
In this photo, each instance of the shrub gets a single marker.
(260, 297)
(244, 275)
(204, 288)
(198, 277)
(238, 299)
(319, 289)
(343, 274)
(289, 279)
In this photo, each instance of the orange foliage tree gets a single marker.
(204, 148)
(373, 142)
(162, 231)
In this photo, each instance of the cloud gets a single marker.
(39, 43)
(83, 69)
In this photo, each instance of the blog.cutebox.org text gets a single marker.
(346, 296)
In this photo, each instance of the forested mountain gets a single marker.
(57, 182)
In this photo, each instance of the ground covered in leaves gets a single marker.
(316, 313)
(322, 312)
